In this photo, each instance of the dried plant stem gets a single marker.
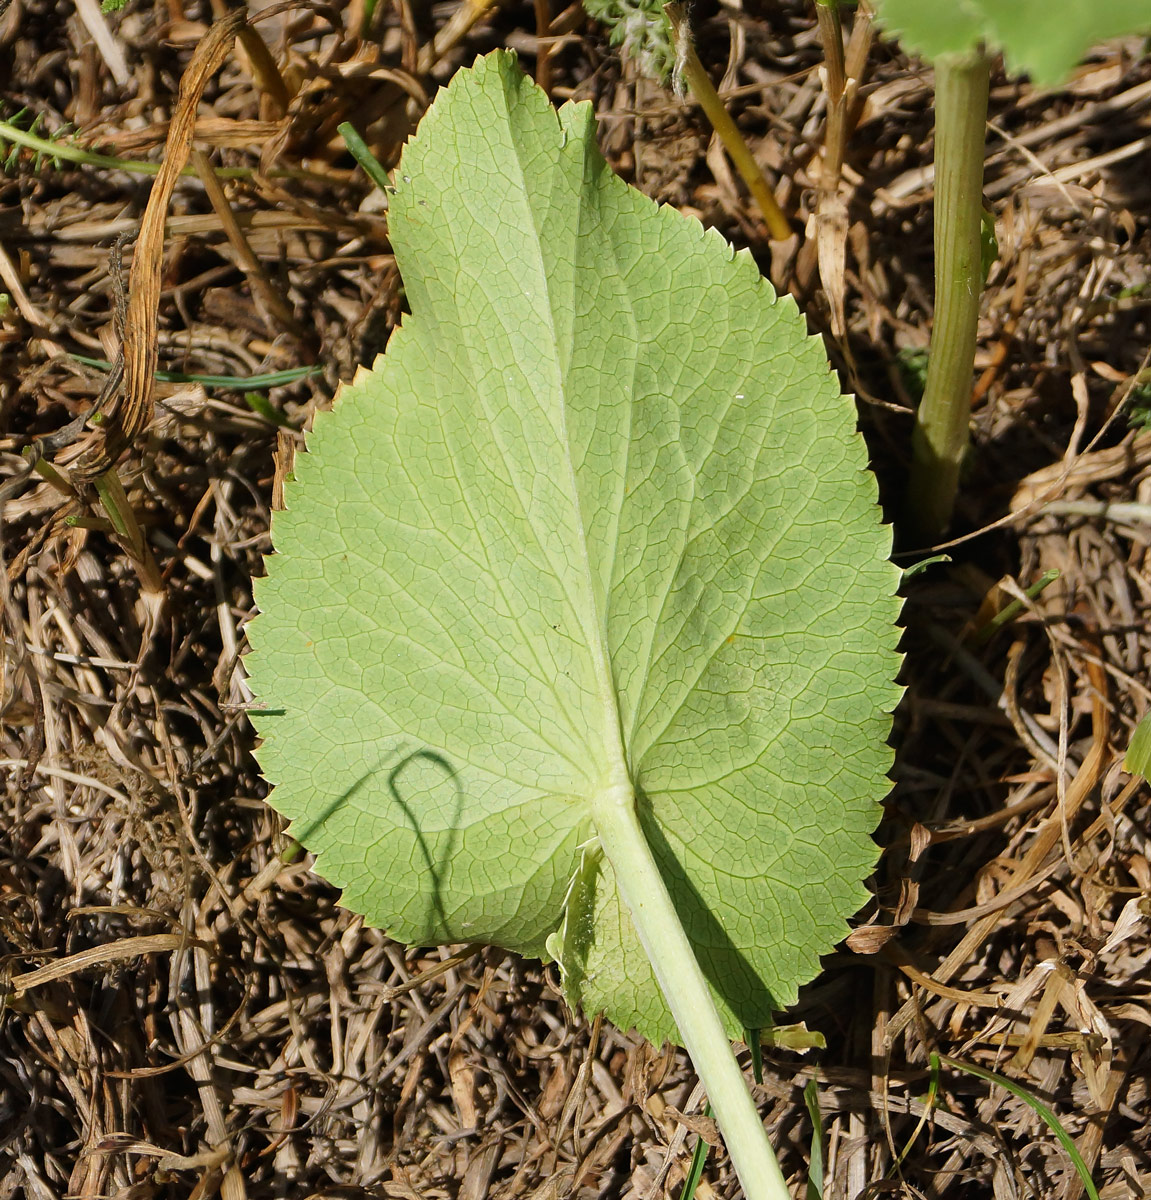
(543, 53)
(265, 71)
(454, 32)
(272, 302)
(699, 82)
(127, 529)
(940, 436)
(830, 223)
(831, 36)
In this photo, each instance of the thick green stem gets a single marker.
(656, 921)
(940, 437)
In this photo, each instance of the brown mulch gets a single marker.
(187, 1010)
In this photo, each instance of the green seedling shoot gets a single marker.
(579, 637)
(1045, 1114)
(1041, 38)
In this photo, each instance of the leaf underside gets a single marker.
(599, 438)
(1041, 38)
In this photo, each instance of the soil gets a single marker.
(187, 1010)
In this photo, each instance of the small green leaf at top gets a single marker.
(1137, 410)
(1044, 39)
(601, 506)
(641, 29)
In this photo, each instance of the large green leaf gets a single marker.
(1040, 38)
(600, 507)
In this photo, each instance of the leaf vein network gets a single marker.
(548, 679)
(654, 626)
(540, 676)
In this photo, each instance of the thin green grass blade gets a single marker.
(695, 1171)
(1012, 610)
(815, 1172)
(69, 152)
(269, 379)
(1040, 1109)
(928, 1109)
(754, 1039)
(358, 149)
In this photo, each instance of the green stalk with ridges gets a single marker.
(941, 429)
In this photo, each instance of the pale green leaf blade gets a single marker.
(601, 483)
(929, 29)
(1137, 760)
(1041, 38)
